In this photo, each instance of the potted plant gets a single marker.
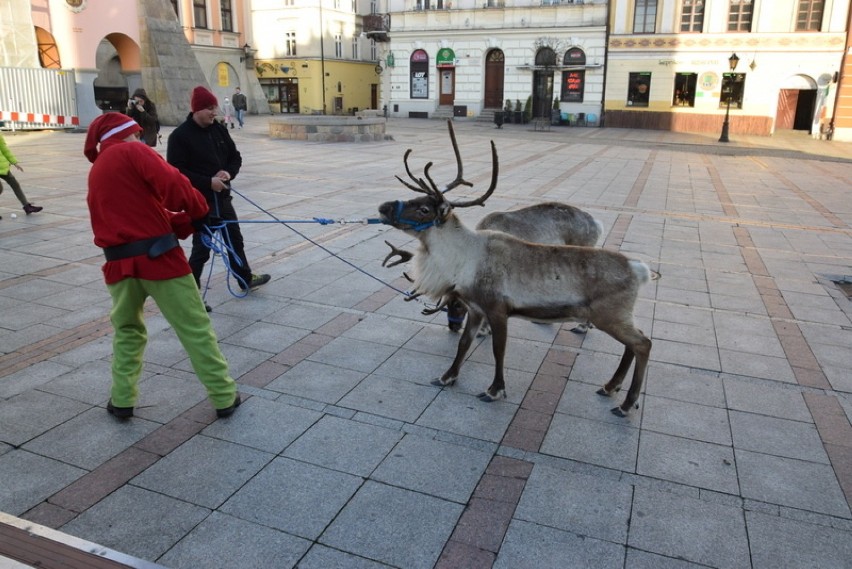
(507, 111)
(519, 113)
(528, 110)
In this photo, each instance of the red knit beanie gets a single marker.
(202, 98)
(107, 126)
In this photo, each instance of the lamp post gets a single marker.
(732, 61)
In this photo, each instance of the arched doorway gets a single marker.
(797, 98)
(494, 72)
(545, 64)
(118, 63)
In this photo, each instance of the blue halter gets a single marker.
(413, 225)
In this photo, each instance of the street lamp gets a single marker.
(733, 60)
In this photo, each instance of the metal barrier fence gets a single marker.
(37, 98)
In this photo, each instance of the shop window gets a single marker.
(684, 89)
(733, 87)
(419, 75)
(638, 89)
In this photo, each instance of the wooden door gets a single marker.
(786, 114)
(494, 70)
(447, 88)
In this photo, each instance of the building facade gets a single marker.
(313, 56)
(670, 64)
(474, 57)
(112, 47)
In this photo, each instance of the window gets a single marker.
(645, 17)
(356, 54)
(290, 44)
(692, 16)
(573, 80)
(638, 89)
(374, 51)
(227, 16)
(429, 4)
(684, 89)
(733, 86)
(199, 13)
(337, 4)
(374, 6)
(809, 18)
(338, 46)
(739, 16)
(419, 75)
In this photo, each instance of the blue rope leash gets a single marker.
(220, 245)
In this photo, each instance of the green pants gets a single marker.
(181, 305)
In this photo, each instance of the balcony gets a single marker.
(377, 27)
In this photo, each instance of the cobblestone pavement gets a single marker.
(344, 455)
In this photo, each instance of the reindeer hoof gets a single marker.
(605, 393)
(580, 329)
(438, 383)
(488, 398)
(618, 412)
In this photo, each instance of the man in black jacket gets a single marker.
(204, 152)
(240, 105)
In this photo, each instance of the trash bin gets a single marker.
(498, 118)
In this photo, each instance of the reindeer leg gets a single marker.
(614, 384)
(642, 349)
(449, 378)
(499, 335)
(635, 345)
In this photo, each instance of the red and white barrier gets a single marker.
(37, 118)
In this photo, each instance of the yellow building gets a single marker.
(314, 57)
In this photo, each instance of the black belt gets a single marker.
(153, 247)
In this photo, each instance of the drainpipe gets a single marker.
(606, 63)
(840, 74)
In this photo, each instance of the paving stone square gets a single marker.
(343, 454)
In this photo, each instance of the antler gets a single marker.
(459, 181)
(495, 169)
(421, 185)
(402, 254)
(432, 188)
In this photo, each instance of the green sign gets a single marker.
(445, 58)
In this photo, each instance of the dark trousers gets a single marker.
(236, 257)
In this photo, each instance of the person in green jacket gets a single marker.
(7, 160)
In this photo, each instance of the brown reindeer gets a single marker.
(499, 276)
(551, 223)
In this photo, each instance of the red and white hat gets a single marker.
(107, 126)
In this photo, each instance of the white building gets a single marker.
(468, 57)
(669, 64)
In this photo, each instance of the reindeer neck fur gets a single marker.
(444, 259)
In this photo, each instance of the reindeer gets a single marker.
(549, 222)
(499, 276)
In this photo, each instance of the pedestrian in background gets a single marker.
(228, 112)
(240, 105)
(7, 160)
(143, 110)
(203, 150)
(139, 207)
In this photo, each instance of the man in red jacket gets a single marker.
(140, 206)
